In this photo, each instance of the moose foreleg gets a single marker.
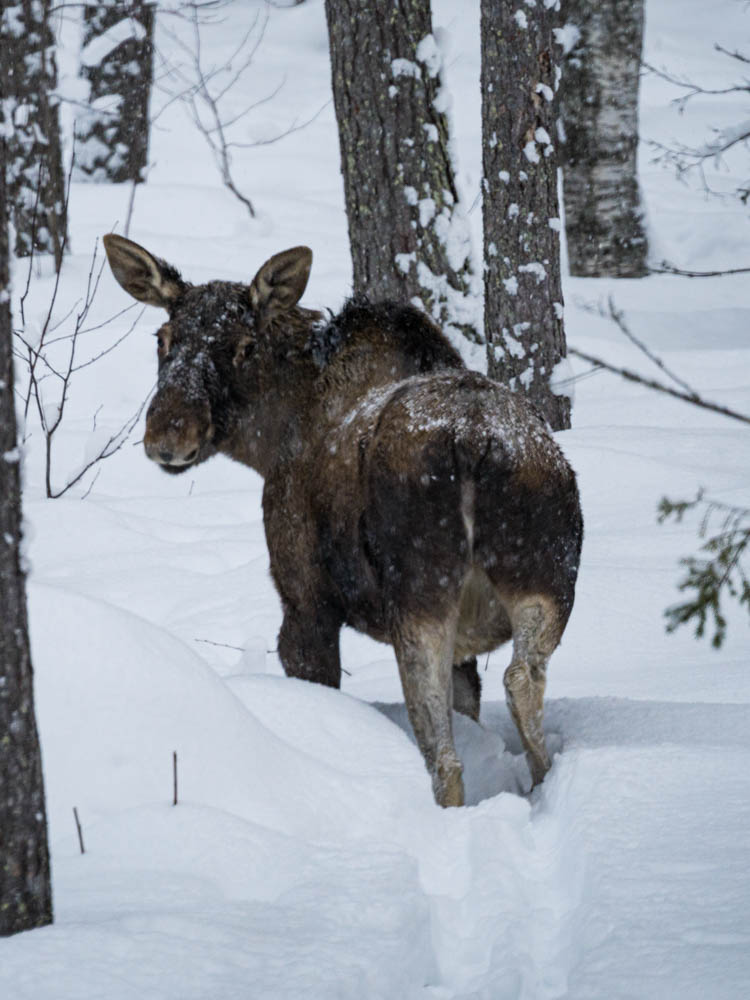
(425, 662)
(309, 646)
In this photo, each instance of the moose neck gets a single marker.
(308, 376)
(274, 421)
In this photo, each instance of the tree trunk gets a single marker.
(28, 77)
(25, 893)
(408, 235)
(522, 293)
(603, 218)
(117, 61)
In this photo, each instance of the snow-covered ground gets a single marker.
(306, 857)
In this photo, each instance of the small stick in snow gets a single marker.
(224, 645)
(80, 831)
(174, 777)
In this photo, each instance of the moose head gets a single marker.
(212, 351)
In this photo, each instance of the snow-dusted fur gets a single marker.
(423, 504)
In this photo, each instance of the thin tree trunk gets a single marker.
(25, 893)
(36, 183)
(603, 216)
(409, 238)
(523, 297)
(117, 61)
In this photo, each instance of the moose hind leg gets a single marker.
(536, 633)
(425, 661)
(467, 688)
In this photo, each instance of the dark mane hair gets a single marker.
(404, 326)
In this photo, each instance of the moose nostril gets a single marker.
(192, 455)
(165, 456)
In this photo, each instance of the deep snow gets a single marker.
(306, 856)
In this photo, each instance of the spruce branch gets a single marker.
(719, 573)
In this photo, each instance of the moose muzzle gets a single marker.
(175, 432)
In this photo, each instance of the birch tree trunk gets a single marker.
(603, 216)
(25, 894)
(523, 303)
(408, 235)
(117, 61)
(28, 77)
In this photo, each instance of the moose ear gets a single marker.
(146, 278)
(279, 284)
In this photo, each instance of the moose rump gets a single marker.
(453, 526)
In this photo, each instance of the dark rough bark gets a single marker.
(117, 61)
(409, 239)
(523, 296)
(28, 77)
(25, 893)
(603, 217)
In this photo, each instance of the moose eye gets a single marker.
(163, 342)
(244, 349)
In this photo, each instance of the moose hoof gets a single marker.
(538, 765)
(447, 783)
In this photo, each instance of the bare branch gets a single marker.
(202, 94)
(111, 347)
(40, 367)
(686, 159)
(113, 445)
(294, 127)
(631, 376)
(618, 318)
(666, 268)
(693, 89)
(733, 54)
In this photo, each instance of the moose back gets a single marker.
(405, 496)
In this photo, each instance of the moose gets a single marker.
(405, 495)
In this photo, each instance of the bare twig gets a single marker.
(694, 89)
(33, 355)
(80, 831)
(666, 268)
(686, 159)
(41, 367)
(733, 54)
(203, 100)
(688, 397)
(224, 645)
(618, 318)
(198, 96)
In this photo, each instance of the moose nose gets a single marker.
(175, 431)
(165, 453)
